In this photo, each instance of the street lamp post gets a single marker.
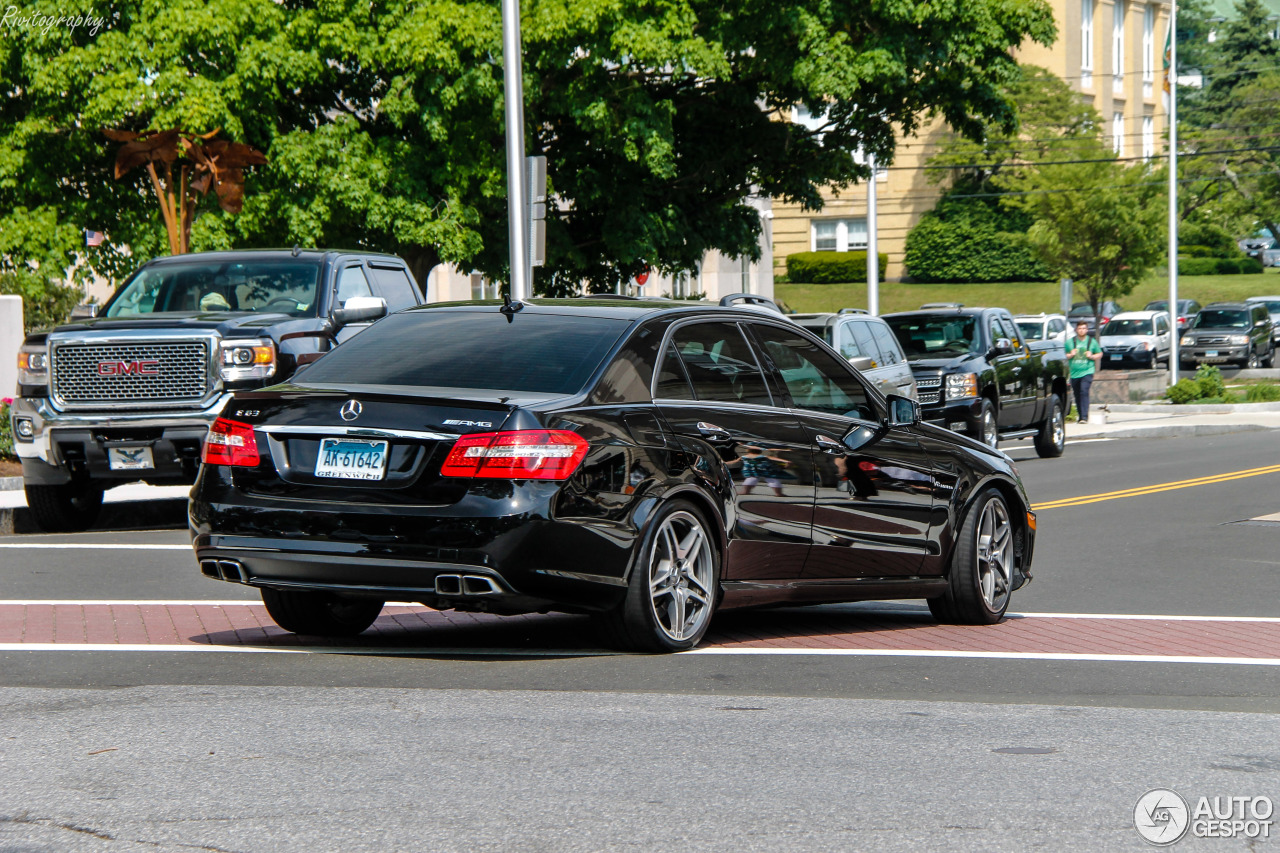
(1174, 334)
(513, 90)
(873, 255)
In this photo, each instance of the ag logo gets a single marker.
(1161, 817)
(351, 410)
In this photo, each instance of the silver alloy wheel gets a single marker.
(989, 435)
(995, 554)
(1252, 363)
(1059, 427)
(680, 572)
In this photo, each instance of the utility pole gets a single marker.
(1174, 334)
(873, 256)
(513, 90)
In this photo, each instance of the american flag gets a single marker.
(93, 238)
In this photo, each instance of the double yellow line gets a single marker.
(1160, 487)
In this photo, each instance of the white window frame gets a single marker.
(1148, 50)
(1117, 133)
(1118, 16)
(1148, 137)
(1086, 43)
(842, 235)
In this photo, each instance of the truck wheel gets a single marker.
(1052, 438)
(1251, 363)
(320, 614)
(981, 579)
(64, 508)
(988, 433)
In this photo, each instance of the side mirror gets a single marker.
(903, 411)
(1004, 346)
(861, 363)
(358, 309)
(84, 312)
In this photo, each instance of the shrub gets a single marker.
(1197, 266)
(45, 303)
(968, 240)
(830, 267)
(6, 434)
(1218, 266)
(1209, 378)
(1183, 391)
(1263, 392)
(1203, 240)
(1250, 266)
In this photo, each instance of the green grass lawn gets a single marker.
(1019, 297)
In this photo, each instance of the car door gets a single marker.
(1009, 367)
(874, 484)
(712, 392)
(1162, 337)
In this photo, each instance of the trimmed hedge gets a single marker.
(1219, 266)
(967, 239)
(830, 267)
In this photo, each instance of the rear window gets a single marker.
(536, 353)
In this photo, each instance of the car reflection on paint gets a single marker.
(644, 462)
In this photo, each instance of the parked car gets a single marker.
(1042, 327)
(1229, 332)
(1263, 248)
(1084, 311)
(640, 462)
(976, 375)
(1187, 310)
(128, 392)
(1136, 339)
(868, 344)
(1273, 308)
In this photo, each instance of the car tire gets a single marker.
(320, 614)
(988, 431)
(1051, 440)
(1270, 360)
(981, 580)
(654, 616)
(65, 508)
(1187, 366)
(1252, 362)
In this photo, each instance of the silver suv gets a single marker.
(868, 344)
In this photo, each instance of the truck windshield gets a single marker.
(933, 336)
(1217, 318)
(265, 286)
(1127, 327)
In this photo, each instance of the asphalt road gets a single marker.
(507, 745)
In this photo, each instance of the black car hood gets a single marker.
(226, 323)
(946, 364)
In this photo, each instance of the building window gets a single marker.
(1086, 43)
(1148, 50)
(1117, 133)
(1148, 137)
(839, 235)
(1117, 46)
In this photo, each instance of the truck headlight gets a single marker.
(1188, 341)
(250, 359)
(1239, 340)
(962, 385)
(1145, 346)
(33, 365)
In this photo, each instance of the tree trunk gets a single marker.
(421, 260)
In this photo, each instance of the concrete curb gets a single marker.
(1190, 408)
(1168, 431)
(10, 484)
(121, 515)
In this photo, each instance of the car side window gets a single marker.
(887, 343)
(394, 286)
(1162, 325)
(720, 365)
(815, 380)
(862, 334)
(1011, 332)
(849, 346)
(627, 378)
(996, 332)
(352, 282)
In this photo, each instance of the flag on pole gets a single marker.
(1168, 52)
(93, 238)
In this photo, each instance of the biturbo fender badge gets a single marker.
(351, 410)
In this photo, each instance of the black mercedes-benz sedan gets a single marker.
(645, 462)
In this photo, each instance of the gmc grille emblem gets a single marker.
(129, 368)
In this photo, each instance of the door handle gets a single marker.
(1017, 370)
(713, 432)
(830, 445)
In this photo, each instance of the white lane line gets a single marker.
(252, 602)
(1089, 440)
(1145, 616)
(565, 653)
(84, 546)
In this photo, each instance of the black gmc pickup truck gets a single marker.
(127, 392)
(976, 375)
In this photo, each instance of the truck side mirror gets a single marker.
(85, 312)
(359, 309)
(861, 363)
(1004, 346)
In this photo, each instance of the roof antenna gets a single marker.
(510, 308)
(296, 251)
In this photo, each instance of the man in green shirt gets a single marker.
(1083, 354)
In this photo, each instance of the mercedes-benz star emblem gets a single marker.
(351, 410)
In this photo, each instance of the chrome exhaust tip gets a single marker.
(479, 585)
(448, 584)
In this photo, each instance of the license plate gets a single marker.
(352, 459)
(1213, 353)
(129, 458)
(1115, 356)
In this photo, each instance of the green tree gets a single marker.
(382, 122)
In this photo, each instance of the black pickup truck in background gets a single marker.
(977, 376)
(127, 391)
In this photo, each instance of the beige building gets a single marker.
(1111, 51)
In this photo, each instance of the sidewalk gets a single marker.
(1165, 420)
(133, 506)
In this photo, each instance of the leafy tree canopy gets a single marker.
(382, 122)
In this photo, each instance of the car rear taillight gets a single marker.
(230, 443)
(1104, 320)
(536, 454)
